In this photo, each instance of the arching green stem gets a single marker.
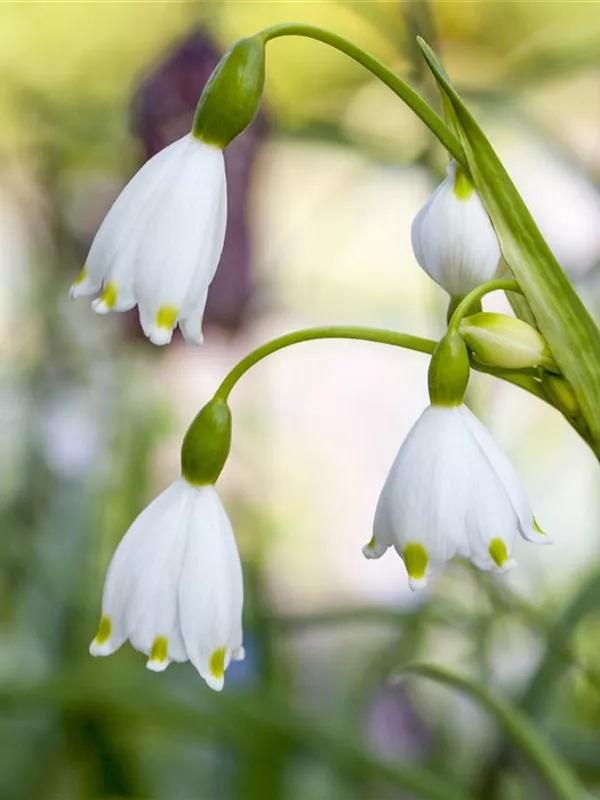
(465, 305)
(380, 335)
(413, 100)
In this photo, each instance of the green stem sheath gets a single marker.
(412, 99)
(381, 335)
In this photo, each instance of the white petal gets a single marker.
(383, 533)
(123, 225)
(157, 632)
(192, 312)
(84, 285)
(416, 231)
(191, 326)
(454, 240)
(375, 548)
(533, 533)
(211, 589)
(426, 489)
(208, 258)
(177, 250)
(137, 566)
(491, 519)
(508, 477)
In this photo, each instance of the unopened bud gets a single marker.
(453, 238)
(507, 342)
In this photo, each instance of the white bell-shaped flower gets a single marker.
(451, 492)
(160, 243)
(174, 585)
(453, 238)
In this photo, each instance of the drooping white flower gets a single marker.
(451, 492)
(453, 238)
(174, 586)
(160, 243)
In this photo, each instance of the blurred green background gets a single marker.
(322, 194)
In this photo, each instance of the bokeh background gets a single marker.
(323, 189)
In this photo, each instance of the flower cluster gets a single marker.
(451, 491)
(174, 587)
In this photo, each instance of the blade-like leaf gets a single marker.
(516, 726)
(234, 718)
(554, 665)
(571, 333)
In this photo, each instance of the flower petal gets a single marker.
(507, 476)
(157, 632)
(192, 312)
(191, 325)
(491, 519)
(177, 251)
(453, 238)
(425, 495)
(137, 567)
(123, 226)
(211, 589)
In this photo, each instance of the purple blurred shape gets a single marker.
(162, 111)
(394, 728)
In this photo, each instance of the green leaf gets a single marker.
(559, 313)
(557, 659)
(231, 718)
(517, 727)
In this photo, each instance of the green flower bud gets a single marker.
(232, 94)
(206, 444)
(508, 342)
(449, 371)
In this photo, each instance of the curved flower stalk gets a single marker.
(160, 243)
(453, 238)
